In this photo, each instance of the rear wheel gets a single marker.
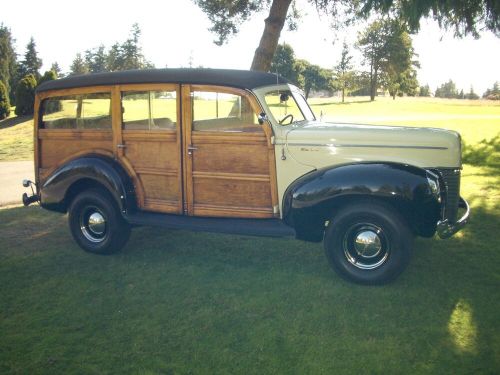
(368, 243)
(96, 223)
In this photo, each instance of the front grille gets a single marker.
(451, 179)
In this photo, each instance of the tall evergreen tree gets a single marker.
(8, 61)
(96, 59)
(78, 66)
(4, 102)
(31, 63)
(57, 69)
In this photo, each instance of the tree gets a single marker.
(284, 63)
(25, 95)
(472, 95)
(31, 63)
(447, 90)
(78, 66)
(49, 75)
(344, 74)
(227, 15)
(8, 60)
(96, 59)
(424, 91)
(56, 69)
(387, 49)
(493, 93)
(4, 102)
(313, 77)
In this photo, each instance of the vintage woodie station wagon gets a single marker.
(239, 152)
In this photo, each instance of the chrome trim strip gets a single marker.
(353, 145)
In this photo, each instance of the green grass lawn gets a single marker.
(16, 138)
(177, 302)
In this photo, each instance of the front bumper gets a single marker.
(446, 230)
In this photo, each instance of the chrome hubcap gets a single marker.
(366, 246)
(93, 224)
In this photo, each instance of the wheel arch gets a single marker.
(312, 199)
(84, 172)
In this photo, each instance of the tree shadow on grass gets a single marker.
(13, 121)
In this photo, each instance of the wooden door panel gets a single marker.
(153, 154)
(228, 173)
(230, 157)
(155, 159)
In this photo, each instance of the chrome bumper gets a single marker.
(446, 230)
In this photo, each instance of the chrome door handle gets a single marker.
(190, 149)
(121, 146)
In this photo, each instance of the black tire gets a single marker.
(368, 243)
(86, 212)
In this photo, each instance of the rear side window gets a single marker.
(86, 111)
(149, 110)
(223, 112)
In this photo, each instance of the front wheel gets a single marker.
(368, 243)
(96, 223)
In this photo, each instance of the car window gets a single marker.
(217, 111)
(86, 111)
(149, 110)
(283, 107)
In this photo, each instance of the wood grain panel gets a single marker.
(231, 158)
(53, 151)
(160, 187)
(223, 192)
(158, 155)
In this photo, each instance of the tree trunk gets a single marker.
(373, 85)
(343, 94)
(269, 41)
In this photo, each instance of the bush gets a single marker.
(25, 95)
(4, 102)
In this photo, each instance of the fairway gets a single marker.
(178, 302)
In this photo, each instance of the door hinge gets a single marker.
(276, 209)
(273, 140)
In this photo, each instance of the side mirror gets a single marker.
(262, 118)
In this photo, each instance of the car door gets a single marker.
(228, 157)
(147, 133)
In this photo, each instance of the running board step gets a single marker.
(249, 227)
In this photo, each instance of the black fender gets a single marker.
(312, 199)
(86, 171)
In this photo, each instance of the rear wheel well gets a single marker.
(81, 185)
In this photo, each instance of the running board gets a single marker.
(249, 227)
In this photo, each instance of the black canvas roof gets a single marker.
(243, 79)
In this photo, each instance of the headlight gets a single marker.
(434, 185)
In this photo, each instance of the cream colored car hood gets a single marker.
(320, 144)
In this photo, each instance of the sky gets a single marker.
(175, 33)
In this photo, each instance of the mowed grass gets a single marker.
(178, 302)
(16, 138)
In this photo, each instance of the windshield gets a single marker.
(287, 107)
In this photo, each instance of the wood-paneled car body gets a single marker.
(238, 152)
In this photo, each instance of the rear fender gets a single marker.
(93, 170)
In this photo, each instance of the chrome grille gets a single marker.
(451, 179)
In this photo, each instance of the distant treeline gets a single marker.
(389, 65)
